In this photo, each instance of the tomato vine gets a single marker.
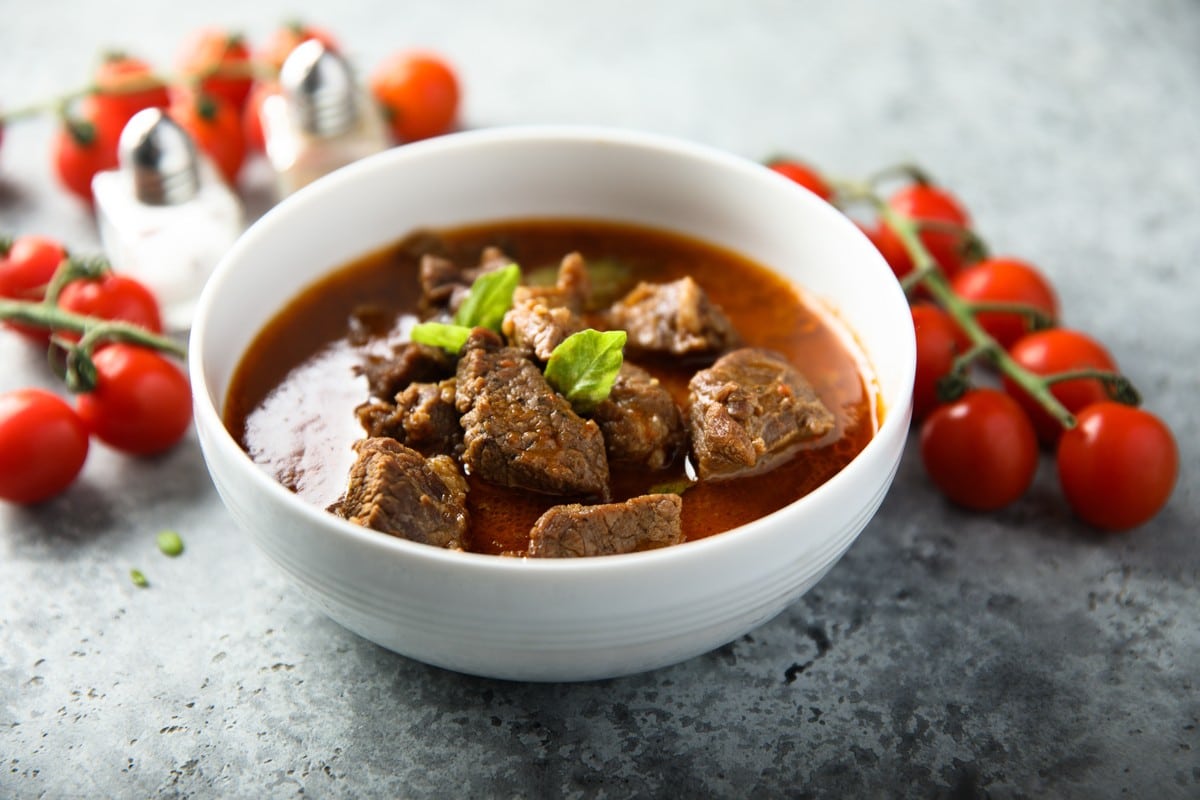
(976, 440)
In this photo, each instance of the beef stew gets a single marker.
(336, 368)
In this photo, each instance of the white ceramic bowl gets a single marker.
(570, 619)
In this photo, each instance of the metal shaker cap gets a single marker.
(161, 157)
(320, 90)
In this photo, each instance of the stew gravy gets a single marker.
(291, 401)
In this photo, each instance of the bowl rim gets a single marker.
(208, 414)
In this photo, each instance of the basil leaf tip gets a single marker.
(489, 298)
(584, 366)
(450, 338)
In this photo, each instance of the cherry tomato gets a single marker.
(980, 450)
(937, 347)
(1006, 280)
(113, 297)
(890, 247)
(210, 50)
(283, 40)
(252, 131)
(215, 127)
(804, 175)
(1117, 466)
(43, 444)
(418, 93)
(923, 202)
(26, 266)
(124, 86)
(1053, 351)
(84, 145)
(142, 403)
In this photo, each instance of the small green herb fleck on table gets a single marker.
(170, 543)
(138, 578)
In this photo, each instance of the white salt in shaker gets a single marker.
(166, 218)
(319, 120)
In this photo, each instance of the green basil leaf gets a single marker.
(490, 296)
(672, 487)
(450, 338)
(584, 365)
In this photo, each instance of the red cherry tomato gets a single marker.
(980, 450)
(210, 50)
(889, 247)
(283, 40)
(26, 267)
(804, 175)
(418, 93)
(142, 403)
(937, 347)
(83, 146)
(1006, 280)
(43, 445)
(215, 127)
(1053, 351)
(124, 86)
(923, 202)
(113, 297)
(1117, 466)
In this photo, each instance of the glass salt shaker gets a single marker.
(166, 218)
(319, 120)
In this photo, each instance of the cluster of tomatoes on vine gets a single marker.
(103, 332)
(998, 377)
(215, 95)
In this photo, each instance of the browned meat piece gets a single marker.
(572, 288)
(643, 523)
(423, 417)
(409, 363)
(519, 432)
(536, 328)
(674, 318)
(444, 284)
(640, 421)
(750, 411)
(395, 490)
(542, 316)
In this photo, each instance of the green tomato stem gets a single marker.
(135, 83)
(933, 280)
(93, 330)
(1036, 318)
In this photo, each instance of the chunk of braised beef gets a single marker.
(675, 318)
(444, 283)
(542, 316)
(640, 421)
(642, 523)
(409, 362)
(519, 432)
(750, 411)
(423, 417)
(396, 490)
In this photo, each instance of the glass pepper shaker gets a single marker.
(319, 120)
(166, 218)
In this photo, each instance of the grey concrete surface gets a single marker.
(949, 654)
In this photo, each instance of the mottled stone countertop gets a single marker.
(949, 654)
